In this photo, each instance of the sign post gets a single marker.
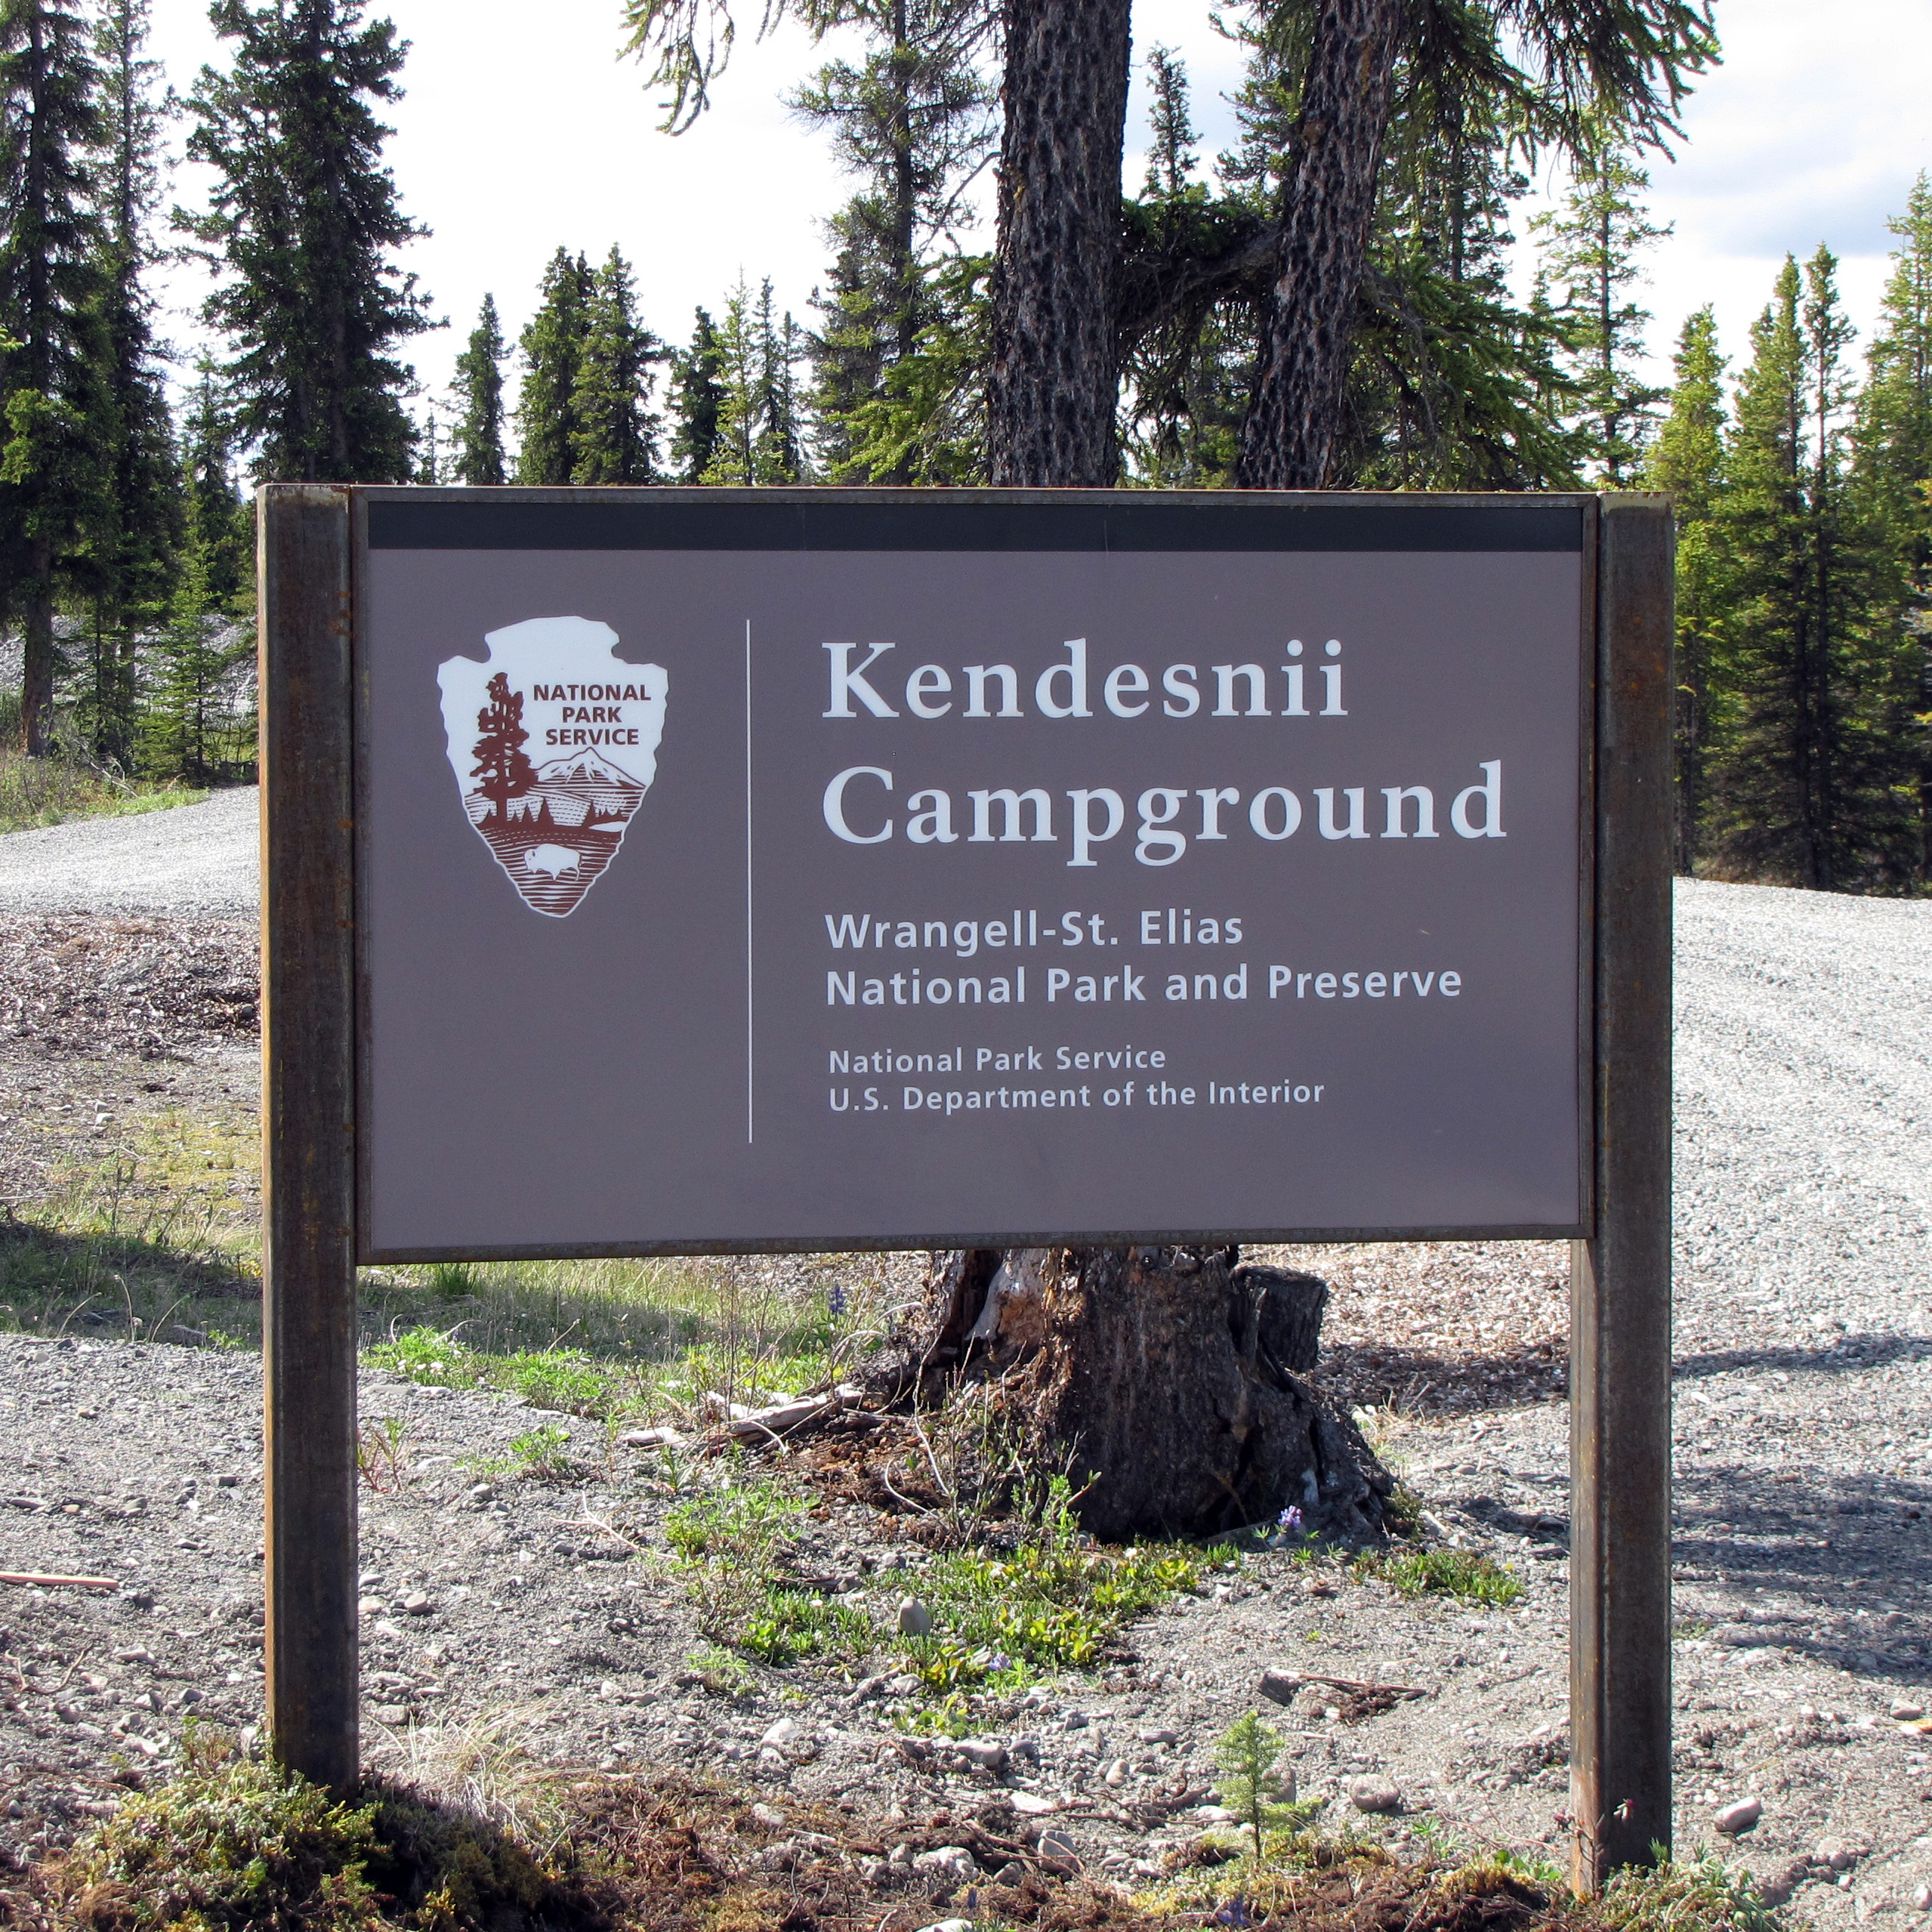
(666, 872)
(304, 572)
(1620, 1276)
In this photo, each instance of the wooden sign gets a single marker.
(667, 871)
(737, 874)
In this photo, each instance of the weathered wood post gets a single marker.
(1620, 1279)
(308, 1134)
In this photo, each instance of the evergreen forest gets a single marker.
(1406, 356)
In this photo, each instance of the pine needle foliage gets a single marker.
(51, 129)
(302, 226)
(1688, 460)
(553, 346)
(1261, 1798)
(477, 436)
(613, 438)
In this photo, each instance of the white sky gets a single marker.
(521, 130)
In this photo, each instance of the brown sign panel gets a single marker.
(752, 869)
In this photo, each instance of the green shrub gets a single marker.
(234, 1845)
(1700, 1895)
(728, 1544)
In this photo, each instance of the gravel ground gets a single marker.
(1804, 1344)
(187, 861)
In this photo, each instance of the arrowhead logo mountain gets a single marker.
(553, 742)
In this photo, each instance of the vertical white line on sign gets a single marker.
(750, 1084)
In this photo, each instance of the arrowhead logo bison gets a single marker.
(553, 742)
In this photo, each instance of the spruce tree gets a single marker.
(195, 653)
(1687, 459)
(218, 523)
(759, 438)
(697, 394)
(1451, 384)
(734, 455)
(913, 123)
(926, 422)
(553, 346)
(303, 224)
(1806, 789)
(201, 643)
(430, 464)
(1186, 382)
(1172, 159)
(131, 528)
(477, 433)
(1892, 477)
(1592, 252)
(615, 437)
(50, 131)
(780, 450)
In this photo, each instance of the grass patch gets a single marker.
(730, 1546)
(1458, 1573)
(158, 1241)
(1053, 1602)
(566, 1379)
(45, 791)
(1050, 1600)
(646, 1340)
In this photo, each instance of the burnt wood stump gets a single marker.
(1175, 1377)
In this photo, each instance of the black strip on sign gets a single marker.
(636, 522)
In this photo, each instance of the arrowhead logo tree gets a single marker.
(505, 772)
(554, 686)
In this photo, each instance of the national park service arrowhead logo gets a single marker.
(554, 743)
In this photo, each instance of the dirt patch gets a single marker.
(155, 988)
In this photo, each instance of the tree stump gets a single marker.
(1174, 1377)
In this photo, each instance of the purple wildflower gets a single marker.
(1291, 1518)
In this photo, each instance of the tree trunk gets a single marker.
(37, 652)
(1328, 204)
(1055, 376)
(1172, 1380)
(1173, 1376)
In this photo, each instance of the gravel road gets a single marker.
(190, 861)
(1804, 1353)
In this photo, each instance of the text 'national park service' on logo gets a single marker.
(554, 743)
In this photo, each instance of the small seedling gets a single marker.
(1263, 1798)
(382, 1453)
(543, 1454)
(720, 1673)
